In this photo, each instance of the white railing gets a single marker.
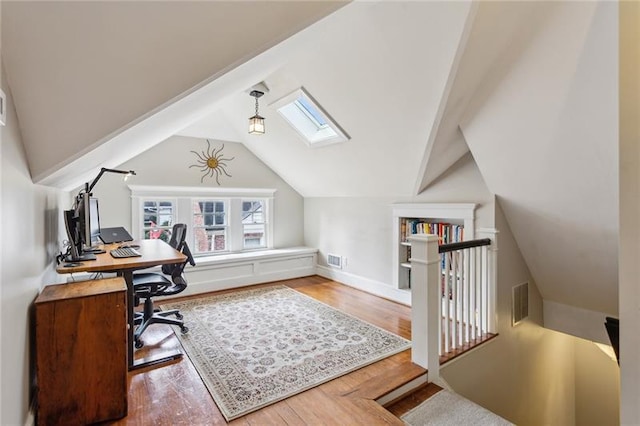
(453, 296)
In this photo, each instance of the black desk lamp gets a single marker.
(127, 173)
(89, 186)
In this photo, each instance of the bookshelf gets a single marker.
(451, 222)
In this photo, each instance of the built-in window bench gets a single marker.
(225, 271)
(232, 270)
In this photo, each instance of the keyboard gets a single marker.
(124, 252)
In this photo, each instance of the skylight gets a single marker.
(311, 122)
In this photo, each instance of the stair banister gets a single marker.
(425, 303)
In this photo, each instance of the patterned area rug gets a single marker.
(256, 347)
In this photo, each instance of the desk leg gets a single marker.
(128, 278)
(132, 364)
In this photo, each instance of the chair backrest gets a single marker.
(176, 275)
(178, 235)
(177, 240)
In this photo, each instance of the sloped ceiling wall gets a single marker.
(542, 126)
(380, 70)
(81, 72)
(493, 41)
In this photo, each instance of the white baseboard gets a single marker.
(365, 284)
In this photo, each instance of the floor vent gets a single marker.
(334, 260)
(520, 303)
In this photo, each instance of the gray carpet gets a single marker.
(450, 409)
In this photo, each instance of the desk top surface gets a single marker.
(154, 252)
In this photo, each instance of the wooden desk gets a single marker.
(154, 253)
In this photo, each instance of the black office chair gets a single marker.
(148, 285)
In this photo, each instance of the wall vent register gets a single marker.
(334, 260)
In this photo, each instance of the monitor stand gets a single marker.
(94, 250)
(82, 257)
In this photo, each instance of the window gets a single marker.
(219, 220)
(158, 219)
(253, 223)
(209, 224)
(311, 122)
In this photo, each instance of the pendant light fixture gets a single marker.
(256, 123)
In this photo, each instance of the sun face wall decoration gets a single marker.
(211, 162)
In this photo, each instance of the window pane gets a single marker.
(160, 234)
(253, 212)
(254, 236)
(158, 219)
(209, 220)
(210, 239)
(253, 222)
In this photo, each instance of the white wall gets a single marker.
(360, 229)
(529, 374)
(629, 267)
(544, 133)
(29, 225)
(597, 385)
(169, 164)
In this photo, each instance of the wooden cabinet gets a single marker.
(81, 352)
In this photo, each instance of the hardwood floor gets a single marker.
(175, 395)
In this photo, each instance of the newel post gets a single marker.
(425, 303)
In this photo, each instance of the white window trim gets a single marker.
(182, 196)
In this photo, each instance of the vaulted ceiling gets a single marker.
(530, 88)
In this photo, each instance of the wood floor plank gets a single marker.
(279, 413)
(175, 394)
(390, 379)
(414, 399)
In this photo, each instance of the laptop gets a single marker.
(114, 235)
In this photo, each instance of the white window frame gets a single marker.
(184, 197)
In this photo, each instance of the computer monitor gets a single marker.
(88, 214)
(92, 225)
(72, 226)
(83, 228)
